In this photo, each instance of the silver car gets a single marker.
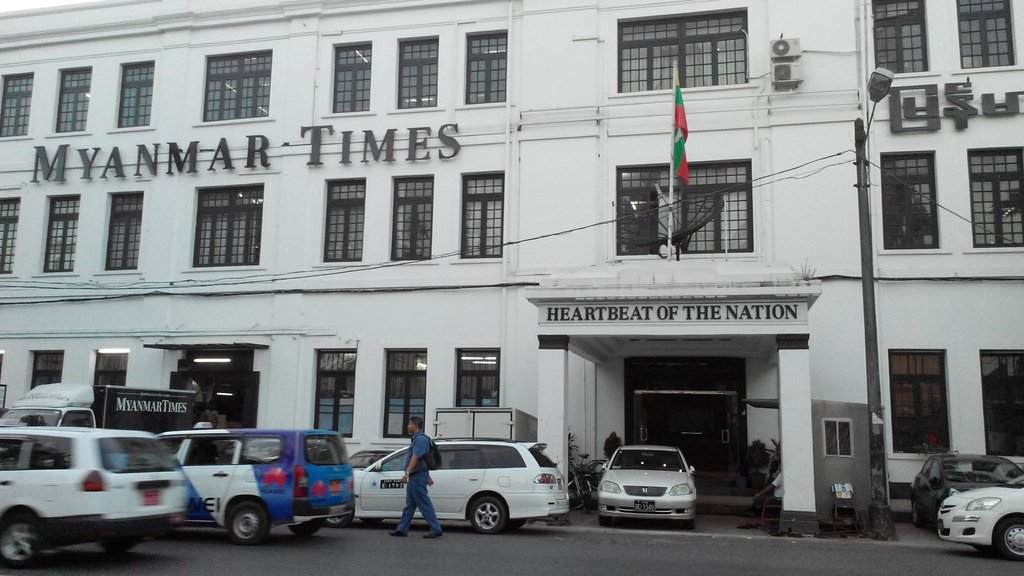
(650, 482)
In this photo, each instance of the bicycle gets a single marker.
(583, 479)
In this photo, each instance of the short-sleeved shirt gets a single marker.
(419, 445)
(779, 490)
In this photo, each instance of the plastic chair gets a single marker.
(771, 512)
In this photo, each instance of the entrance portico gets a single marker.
(673, 365)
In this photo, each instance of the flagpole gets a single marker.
(671, 166)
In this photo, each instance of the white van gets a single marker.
(495, 484)
(62, 486)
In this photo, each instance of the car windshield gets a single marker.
(647, 460)
(132, 454)
(30, 417)
(981, 471)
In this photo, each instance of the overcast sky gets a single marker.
(12, 5)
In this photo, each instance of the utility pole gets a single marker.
(880, 523)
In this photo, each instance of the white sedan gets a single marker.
(651, 482)
(986, 518)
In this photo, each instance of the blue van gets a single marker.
(247, 480)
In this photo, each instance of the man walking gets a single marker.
(417, 478)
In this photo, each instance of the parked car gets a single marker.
(357, 461)
(494, 484)
(986, 518)
(942, 474)
(248, 480)
(364, 458)
(651, 482)
(61, 486)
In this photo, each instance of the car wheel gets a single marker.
(339, 521)
(118, 545)
(248, 524)
(19, 541)
(515, 524)
(605, 520)
(306, 528)
(487, 514)
(371, 521)
(915, 515)
(1008, 537)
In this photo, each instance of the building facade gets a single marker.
(342, 213)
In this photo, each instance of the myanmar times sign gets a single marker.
(149, 160)
(669, 312)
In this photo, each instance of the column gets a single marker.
(796, 429)
(553, 397)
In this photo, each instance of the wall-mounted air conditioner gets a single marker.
(787, 75)
(786, 49)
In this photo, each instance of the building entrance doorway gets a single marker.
(227, 390)
(690, 403)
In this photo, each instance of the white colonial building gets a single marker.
(340, 213)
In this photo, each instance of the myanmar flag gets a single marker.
(680, 132)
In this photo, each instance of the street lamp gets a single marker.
(880, 524)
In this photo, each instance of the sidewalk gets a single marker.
(729, 527)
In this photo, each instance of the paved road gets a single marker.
(532, 550)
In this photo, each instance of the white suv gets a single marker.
(494, 484)
(71, 485)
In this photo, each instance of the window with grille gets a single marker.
(62, 234)
(237, 86)
(228, 226)
(900, 35)
(486, 67)
(346, 217)
(711, 214)
(405, 390)
(711, 50)
(417, 73)
(111, 369)
(9, 209)
(920, 414)
(986, 33)
(483, 203)
(136, 94)
(73, 102)
(47, 367)
(352, 65)
(413, 218)
(1002, 388)
(909, 217)
(125, 233)
(838, 440)
(16, 104)
(335, 390)
(997, 202)
(478, 377)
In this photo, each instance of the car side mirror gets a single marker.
(692, 470)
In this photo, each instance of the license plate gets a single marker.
(335, 487)
(643, 505)
(150, 497)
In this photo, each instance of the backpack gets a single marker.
(433, 457)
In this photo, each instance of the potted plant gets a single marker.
(611, 444)
(757, 460)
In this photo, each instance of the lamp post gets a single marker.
(880, 524)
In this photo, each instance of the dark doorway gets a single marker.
(227, 390)
(691, 403)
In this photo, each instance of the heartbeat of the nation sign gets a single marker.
(663, 312)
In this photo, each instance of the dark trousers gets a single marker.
(416, 497)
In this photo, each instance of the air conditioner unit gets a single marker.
(787, 75)
(786, 49)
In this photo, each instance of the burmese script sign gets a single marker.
(673, 312)
(919, 108)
